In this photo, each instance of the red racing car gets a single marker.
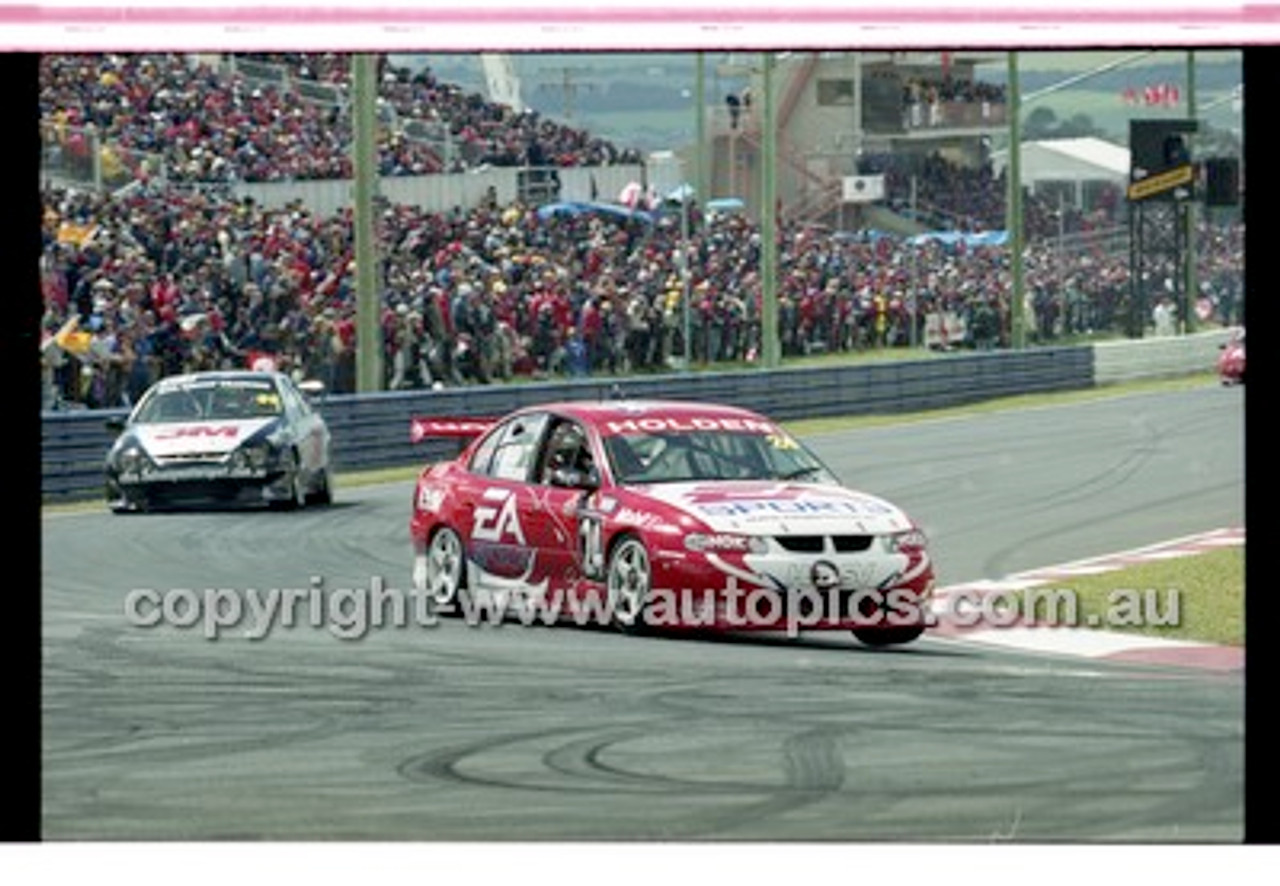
(1231, 359)
(655, 515)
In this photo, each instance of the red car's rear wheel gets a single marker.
(446, 574)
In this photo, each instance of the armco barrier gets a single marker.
(372, 431)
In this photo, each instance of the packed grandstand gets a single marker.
(169, 270)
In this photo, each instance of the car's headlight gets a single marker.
(255, 455)
(714, 543)
(903, 542)
(132, 460)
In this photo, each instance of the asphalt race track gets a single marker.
(511, 733)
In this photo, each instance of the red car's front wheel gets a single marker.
(628, 579)
(894, 636)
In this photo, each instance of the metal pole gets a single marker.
(364, 160)
(95, 146)
(1187, 313)
(770, 348)
(700, 191)
(915, 272)
(686, 291)
(1018, 333)
(700, 152)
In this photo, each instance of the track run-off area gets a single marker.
(454, 732)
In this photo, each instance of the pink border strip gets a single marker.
(1224, 15)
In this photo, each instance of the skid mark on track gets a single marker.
(809, 767)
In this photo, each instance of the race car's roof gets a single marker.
(214, 377)
(623, 416)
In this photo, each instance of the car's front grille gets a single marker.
(802, 544)
(851, 544)
(184, 457)
(817, 544)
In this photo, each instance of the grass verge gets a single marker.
(1197, 598)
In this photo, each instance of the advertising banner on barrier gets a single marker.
(944, 330)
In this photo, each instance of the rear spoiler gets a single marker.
(436, 426)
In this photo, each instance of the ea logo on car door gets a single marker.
(494, 522)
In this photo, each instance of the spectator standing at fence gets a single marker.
(576, 362)
(880, 309)
(1164, 317)
(735, 109)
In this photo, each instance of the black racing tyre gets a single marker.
(894, 636)
(298, 490)
(323, 493)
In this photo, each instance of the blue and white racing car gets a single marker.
(227, 437)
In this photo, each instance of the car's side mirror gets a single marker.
(115, 424)
(312, 387)
(572, 478)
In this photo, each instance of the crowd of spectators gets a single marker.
(158, 282)
(951, 89)
(932, 101)
(214, 125)
(949, 196)
(155, 280)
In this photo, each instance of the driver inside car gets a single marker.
(567, 451)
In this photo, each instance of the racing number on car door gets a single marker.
(591, 543)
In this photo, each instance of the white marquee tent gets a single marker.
(1073, 160)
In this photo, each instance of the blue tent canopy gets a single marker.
(681, 193)
(866, 235)
(574, 209)
(951, 238)
(726, 204)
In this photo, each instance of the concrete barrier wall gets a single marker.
(440, 193)
(1130, 360)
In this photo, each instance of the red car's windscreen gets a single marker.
(670, 455)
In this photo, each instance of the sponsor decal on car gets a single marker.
(499, 518)
(163, 440)
(685, 425)
(197, 431)
(795, 508)
(638, 519)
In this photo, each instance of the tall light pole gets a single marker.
(915, 275)
(1017, 320)
(770, 348)
(686, 287)
(1190, 281)
(365, 169)
(700, 149)
(1013, 171)
(699, 179)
